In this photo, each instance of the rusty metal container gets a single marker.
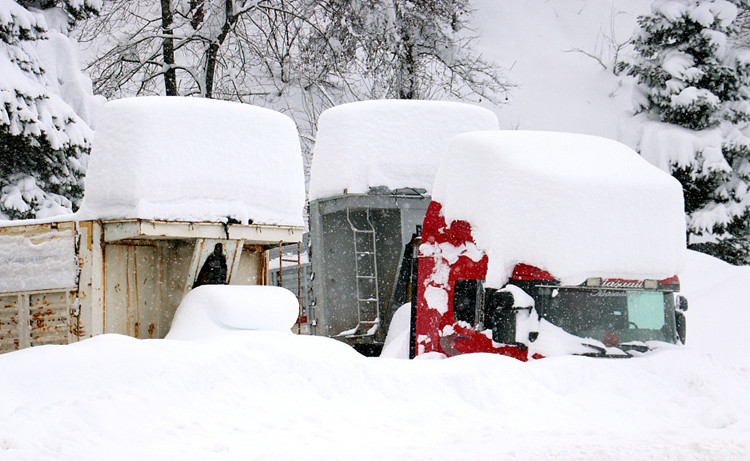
(70, 280)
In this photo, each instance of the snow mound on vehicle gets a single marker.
(575, 205)
(194, 159)
(210, 310)
(392, 143)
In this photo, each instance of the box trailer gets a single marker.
(179, 192)
(70, 280)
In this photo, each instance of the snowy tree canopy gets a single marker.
(404, 49)
(44, 138)
(690, 75)
(233, 50)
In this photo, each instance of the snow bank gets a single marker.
(268, 396)
(246, 395)
(392, 143)
(718, 315)
(210, 310)
(577, 206)
(192, 159)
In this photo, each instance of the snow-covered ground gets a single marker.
(276, 396)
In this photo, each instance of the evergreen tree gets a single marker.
(690, 75)
(44, 144)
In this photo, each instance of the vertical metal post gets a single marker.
(299, 287)
(281, 266)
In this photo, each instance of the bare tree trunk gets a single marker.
(408, 84)
(407, 63)
(212, 52)
(170, 75)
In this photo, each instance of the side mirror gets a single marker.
(681, 326)
(682, 303)
(502, 317)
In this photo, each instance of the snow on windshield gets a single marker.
(392, 143)
(194, 159)
(577, 206)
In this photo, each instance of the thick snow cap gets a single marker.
(210, 310)
(193, 159)
(392, 143)
(575, 205)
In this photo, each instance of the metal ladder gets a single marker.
(366, 271)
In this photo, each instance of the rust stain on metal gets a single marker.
(102, 249)
(89, 226)
(76, 329)
(151, 329)
(39, 316)
(137, 294)
(127, 293)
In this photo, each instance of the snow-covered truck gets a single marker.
(170, 182)
(538, 244)
(370, 185)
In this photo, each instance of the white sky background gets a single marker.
(558, 88)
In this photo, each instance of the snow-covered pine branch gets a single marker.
(44, 135)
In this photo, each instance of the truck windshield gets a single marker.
(633, 315)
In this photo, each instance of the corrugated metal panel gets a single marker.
(49, 316)
(9, 331)
(37, 318)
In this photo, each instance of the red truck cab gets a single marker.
(540, 244)
(456, 314)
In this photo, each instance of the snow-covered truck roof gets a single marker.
(392, 143)
(194, 159)
(575, 205)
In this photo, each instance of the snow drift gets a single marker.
(392, 143)
(193, 159)
(210, 310)
(575, 205)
